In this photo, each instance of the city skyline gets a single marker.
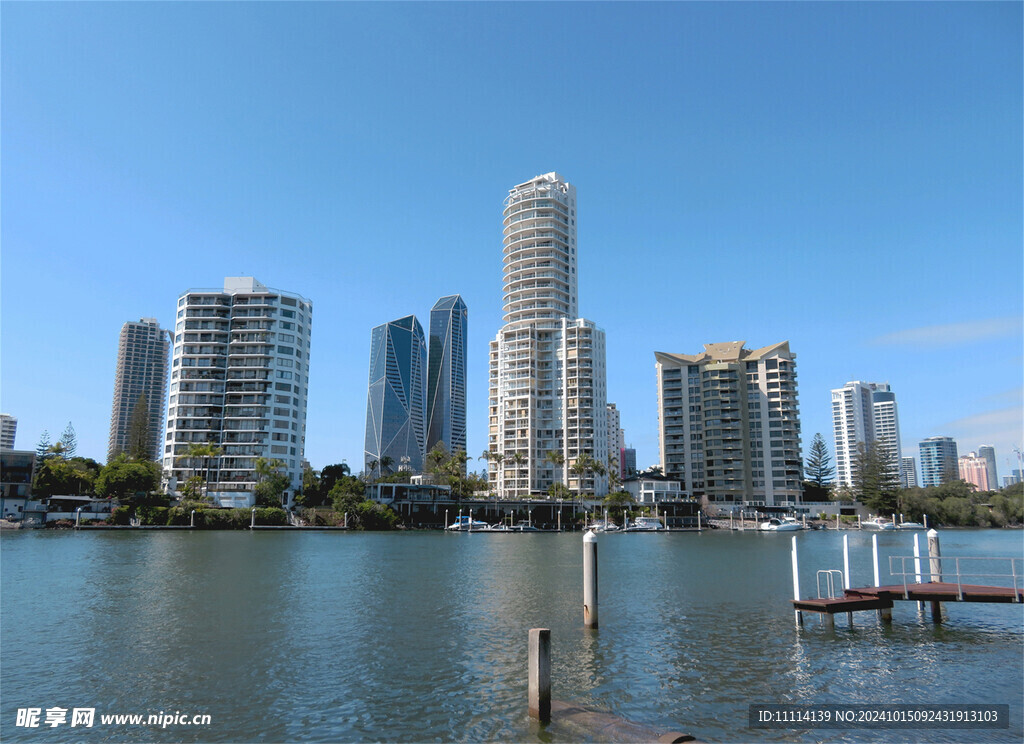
(809, 172)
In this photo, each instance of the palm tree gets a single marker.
(557, 459)
(518, 458)
(385, 463)
(205, 451)
(371, 465)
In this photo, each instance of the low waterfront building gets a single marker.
(648, 489)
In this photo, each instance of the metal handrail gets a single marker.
(935, 562)
(830, 584)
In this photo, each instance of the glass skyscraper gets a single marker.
(395, 401)
(446, 374)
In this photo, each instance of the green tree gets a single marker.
(386, 463)
(617, 504)
(69, 442)
(138, 431)
(346, 493)
(61, 477)
(819, 469)
(556, 459)
(271, 482)
(122, 478)
(43, 448)
(875, 478)
(203, 452)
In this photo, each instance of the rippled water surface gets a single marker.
(314, 636)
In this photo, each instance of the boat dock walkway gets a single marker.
(883, 597)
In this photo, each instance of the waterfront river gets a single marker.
(407, 637)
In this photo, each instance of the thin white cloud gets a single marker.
(934, 337)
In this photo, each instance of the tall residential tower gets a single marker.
(140, 379)
(729, 423)
(446, 374)
(865, 413)
(396, 397)
(239, 381)
(938, 461)
(547, 366)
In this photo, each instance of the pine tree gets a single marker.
(138, 431)
(819, 470)
(43, 448)
(69, 441)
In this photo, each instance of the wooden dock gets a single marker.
(883, 597)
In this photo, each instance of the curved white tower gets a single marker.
(547, 365)
(540, 251)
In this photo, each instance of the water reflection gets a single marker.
(412, 637)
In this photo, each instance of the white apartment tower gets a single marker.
(142, 355)
(239, 381)
(864, 412)
(729, 423)
(547, 366)
(8, 430)
(616, 440)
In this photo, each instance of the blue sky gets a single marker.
(844, 176)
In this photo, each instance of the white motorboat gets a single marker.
(878, 523)
(783, 524)
(467, 524)
(603, 525)
(910, 526)
(645, 524)
(524, 526)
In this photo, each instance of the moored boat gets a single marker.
(645, 524)
(468, 524)
(878, 523)
(783, 524)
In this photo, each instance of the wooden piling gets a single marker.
(539, 685)
(590, 580)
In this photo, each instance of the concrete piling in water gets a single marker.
(252, 524)
(935, 569)
(590, 580)
(192, 519)
(539, 673)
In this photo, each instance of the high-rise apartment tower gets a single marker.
(396, 398)
(8, 430)
(446, 374)
(988, 452)
(864, 413)
(729, 423)
(938, 461)
(143, 349)
(547, 366)
(239, 382)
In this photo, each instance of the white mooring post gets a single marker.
(589, 580)
(837, 520)
(796, 582)
(192, 519)
(846, 561)
(858, 523)
(874, 558)
(252, 523)
(539, 675)
(935, 569)
(698, 520)
(917, 568)
(926, 521)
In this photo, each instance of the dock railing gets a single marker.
(1015, 566)
(830, 583)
